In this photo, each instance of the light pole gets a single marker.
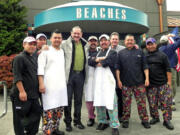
(160, 4)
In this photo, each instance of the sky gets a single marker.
(173, 5)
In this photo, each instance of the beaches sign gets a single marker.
(90, 13)
(101, 13)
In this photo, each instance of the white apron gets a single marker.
(54, 78)
(104, 86)
(88, 85)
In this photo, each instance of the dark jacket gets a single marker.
(131, 64)
(25, 70)
(158, 67)
(170, 51)
(109, 61)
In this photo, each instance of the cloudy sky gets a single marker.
(173, 5)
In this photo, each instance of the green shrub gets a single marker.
(12, 26)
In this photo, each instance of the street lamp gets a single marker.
(160, 4)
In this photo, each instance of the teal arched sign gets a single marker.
(91, 12)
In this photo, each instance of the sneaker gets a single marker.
(102, 126)
(90, 122)
(146, 124)
(115, 131)
(79, 125)
(168, 125)
(125, 124)
(57, 132)
(154, 121)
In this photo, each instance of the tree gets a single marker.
(12, 26)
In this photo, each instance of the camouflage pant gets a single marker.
(140, 96)
(163, 94)
(51, 120)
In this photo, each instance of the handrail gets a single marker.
(5, 98)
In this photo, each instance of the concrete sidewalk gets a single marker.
(135, 127)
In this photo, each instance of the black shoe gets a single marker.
(173, 108)
(102, 126)
(146, 124)
(90, 122)
(174, 103)
(99, 127)
(79, 125)
(57, 132)
(125, 124)
(115, 131)
(154, 121)
(168, 125)
(120, 120)
(68, 127)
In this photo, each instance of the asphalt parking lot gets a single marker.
(135, 127)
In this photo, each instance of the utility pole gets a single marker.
(160, 5)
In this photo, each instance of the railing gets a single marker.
(5, 98)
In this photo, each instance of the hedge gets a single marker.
(6, 70)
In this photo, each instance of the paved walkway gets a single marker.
(135, 128)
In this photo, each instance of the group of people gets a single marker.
(48, 78)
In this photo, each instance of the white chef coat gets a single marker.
(51, 65)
